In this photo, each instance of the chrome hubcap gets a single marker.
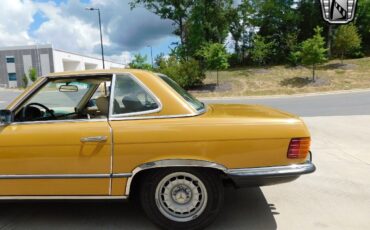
(181, 196)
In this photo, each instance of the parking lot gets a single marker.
(336, 196)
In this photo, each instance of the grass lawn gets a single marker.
(275, 80)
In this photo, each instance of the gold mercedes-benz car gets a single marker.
(112, 134)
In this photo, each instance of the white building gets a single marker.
(16, 61)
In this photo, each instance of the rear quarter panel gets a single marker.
(234, 143)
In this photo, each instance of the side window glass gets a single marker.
(131, 97)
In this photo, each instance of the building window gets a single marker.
(12, 76)
(10, 60)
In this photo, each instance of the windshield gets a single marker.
(52, 97)
(197, 105)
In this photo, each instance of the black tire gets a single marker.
(214, 193)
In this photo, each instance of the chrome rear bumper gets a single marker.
(297, 169)
(269, 175)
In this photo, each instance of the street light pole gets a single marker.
(151, 55)
(101, 34)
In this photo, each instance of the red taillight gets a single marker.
(299, 148)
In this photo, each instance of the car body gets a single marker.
(100, 133)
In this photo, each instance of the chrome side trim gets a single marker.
(62, 197)
(58, 121)
(158, 117)
(64, 176)
(111, 103)
(121, 175)
(295, 169)
(54, 176)
(172, 163)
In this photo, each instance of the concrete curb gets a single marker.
(288, 96)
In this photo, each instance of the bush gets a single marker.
(234, 60)
(139, 62)
(294, 58)
(356, 53)
(261, 50)
(32, 74)
(25, 81)
(187, 74)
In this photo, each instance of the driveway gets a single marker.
(336, 196)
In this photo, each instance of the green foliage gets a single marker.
(346, 39)
(175, 10)
(25, 81)
(208, 23)
(187, 74)
(276, 19)
(293, 58)
(261, 50)
(268, 31)
(139, 62)
(309, 17)
(159, 59)
(239, 22)
(32, 74)
(196, 22)
(313, 51)
(215, 56)
(362, 21)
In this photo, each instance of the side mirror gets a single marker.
(5, 116)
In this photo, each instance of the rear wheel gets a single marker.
(182, 198)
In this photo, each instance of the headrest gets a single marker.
(103, 104)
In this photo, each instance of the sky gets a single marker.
(68, 26)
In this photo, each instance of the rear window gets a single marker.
(196, 104)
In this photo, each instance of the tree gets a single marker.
(313, 51)
(159, 59)
(239, 23)
(215, 56)
(261, 49)
(187, 73)
(309, 17)
(139, 62)
(346, 39)
(362, 21)
(32, 74)
(175, 10)
(208, 23)
(197, 22)
(276, 19)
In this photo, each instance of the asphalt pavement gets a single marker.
(337, 104)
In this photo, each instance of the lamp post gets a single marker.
(151, 55)
(101, 35)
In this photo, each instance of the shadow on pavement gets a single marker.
(244, 209)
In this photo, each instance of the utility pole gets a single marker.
(151, 55)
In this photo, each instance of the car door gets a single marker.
(56, 157)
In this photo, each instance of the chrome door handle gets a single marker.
(94, 139)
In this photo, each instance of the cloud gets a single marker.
(68, 26)
(123, 29)
(16, 17)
